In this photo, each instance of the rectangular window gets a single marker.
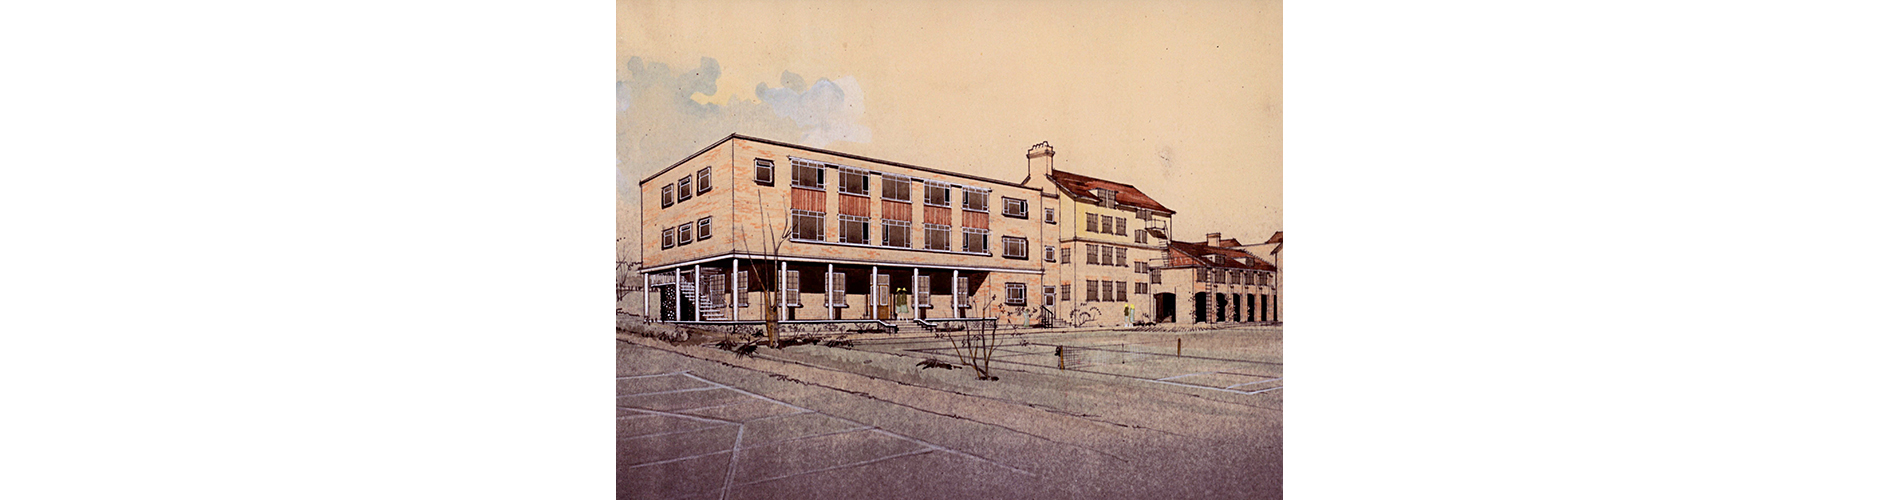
(1144, 214)
(936, 236)
(1141, 288)
(854, 182)
(1090, 250)
(1154, 277)
(976, 240)
(1065, 293)
(963, 291)
(1093, 293)
(744, 286)
(808, 225)
(1121, 257)
(1141, 267)
(1094, 223)
(1049, 254)
(1200, 275)
(1015, 294)
(936, 196)
(666, 238)
(686, 189)
(1048, 295)
(854, 229)
(686, 234)
(976, 201)
(788, 289)
(1065, 255)
(1049, 215)
(1121, 291)
(811, 176)
(1219, 276)
(920, 287)
(705, 180)
(1106, 197)
(1015, 248)
(896, 188)
(1015, 208)
(836, 295)
(1141, 236)
(666, 196)
(705, 228)
(1121, 226)
(762, 172)
(897, 233)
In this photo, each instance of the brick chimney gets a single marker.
(1042, 159)
(1213, 239)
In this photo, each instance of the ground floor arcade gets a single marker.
(745, 289)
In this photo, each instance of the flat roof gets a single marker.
(833, 153)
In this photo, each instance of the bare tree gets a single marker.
(977, 341)
(624, 275)
(771, 243)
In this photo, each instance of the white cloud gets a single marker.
(827, 112)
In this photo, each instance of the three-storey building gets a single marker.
(842, 236)
(1110, 232)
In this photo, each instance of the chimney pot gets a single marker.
(1213, 239)
(1042, 158)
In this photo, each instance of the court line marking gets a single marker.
(873, 428)
(849, 465)
(732, 468)
(649, 376)
(657, 434)
(688, 417)
(668, 392)
(1254, 382)
(744, 448)
(1187, 375)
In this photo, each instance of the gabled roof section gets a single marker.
(1198, 251)
(1083, 187)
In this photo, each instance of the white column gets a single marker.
(954, 274)
(874, 297)
(698, 280)
(679, 299)
(916, 308)
(781, 290)
(734, 304)
(831, 311)
(646, 300)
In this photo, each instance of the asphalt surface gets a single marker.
(1121, 414)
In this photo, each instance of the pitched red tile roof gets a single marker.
(1082, 186)
(1179, 250)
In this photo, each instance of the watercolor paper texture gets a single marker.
(949, 249)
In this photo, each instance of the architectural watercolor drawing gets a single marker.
(881, 281)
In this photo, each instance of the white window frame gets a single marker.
(930, 228)
(902, 226)
(864, 223)
(798, 214)
(1021, 250)
(704, 179)
(1021, 210)
(1015, 294)
(705, 228)
(896, 183)
(1048, 253)
(764, 166)
(981, 235)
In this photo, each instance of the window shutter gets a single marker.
(744, 285)
(837, 289)
(790, 288)
(963, 291)
(921, 285)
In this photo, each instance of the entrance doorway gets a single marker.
(1164, 308)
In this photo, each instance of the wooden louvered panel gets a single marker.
(937, 215)
(806, 199)
(977, 220)
(854, 205)
(896, 210)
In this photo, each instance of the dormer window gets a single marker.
(1105, 197)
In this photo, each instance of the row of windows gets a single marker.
(1232, 276)
(1107, 291)
(684, 233)
(1107, 255)
(686, 188)
(810, 226)
(1108, 225)
(895, 188)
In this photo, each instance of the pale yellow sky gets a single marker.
(1180, 98)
